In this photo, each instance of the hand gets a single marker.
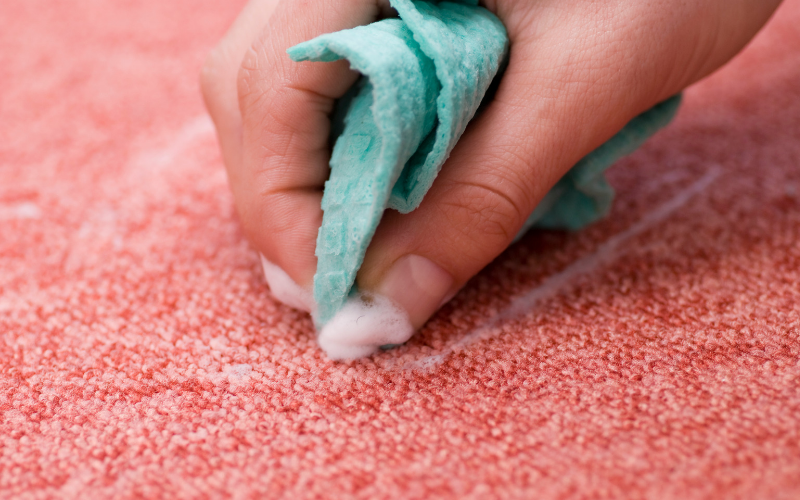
(578, 72)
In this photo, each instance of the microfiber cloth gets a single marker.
(424, 77)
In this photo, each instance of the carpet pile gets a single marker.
(655, 354)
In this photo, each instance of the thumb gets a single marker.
(502, 167)
(562, 96)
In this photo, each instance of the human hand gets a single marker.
(578, 72)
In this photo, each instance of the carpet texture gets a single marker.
(655, 354)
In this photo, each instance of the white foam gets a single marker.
(362, 326)
(285, 289)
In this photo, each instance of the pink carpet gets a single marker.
(653, 355)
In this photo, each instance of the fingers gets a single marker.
(285, 152)
(219, 73)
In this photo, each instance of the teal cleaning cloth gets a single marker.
(424, 76)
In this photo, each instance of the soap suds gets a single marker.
(362, 326)
(285, 289)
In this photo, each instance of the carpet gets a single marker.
(655, 354)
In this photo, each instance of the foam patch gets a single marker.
(424, 76)
(364, 325)
(285, 289)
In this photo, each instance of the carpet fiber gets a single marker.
(655, 354)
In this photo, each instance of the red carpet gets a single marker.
(653, 355)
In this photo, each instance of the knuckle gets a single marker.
(252, 85)
(263, 213)
(484, 212)
(251, 62)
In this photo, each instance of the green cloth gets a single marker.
(424, 76)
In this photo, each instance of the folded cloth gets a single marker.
(424, 77)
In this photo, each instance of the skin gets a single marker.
(578, 72)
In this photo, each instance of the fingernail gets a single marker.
(417, 285)
(284, 288)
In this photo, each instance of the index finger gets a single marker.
(285, 109)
